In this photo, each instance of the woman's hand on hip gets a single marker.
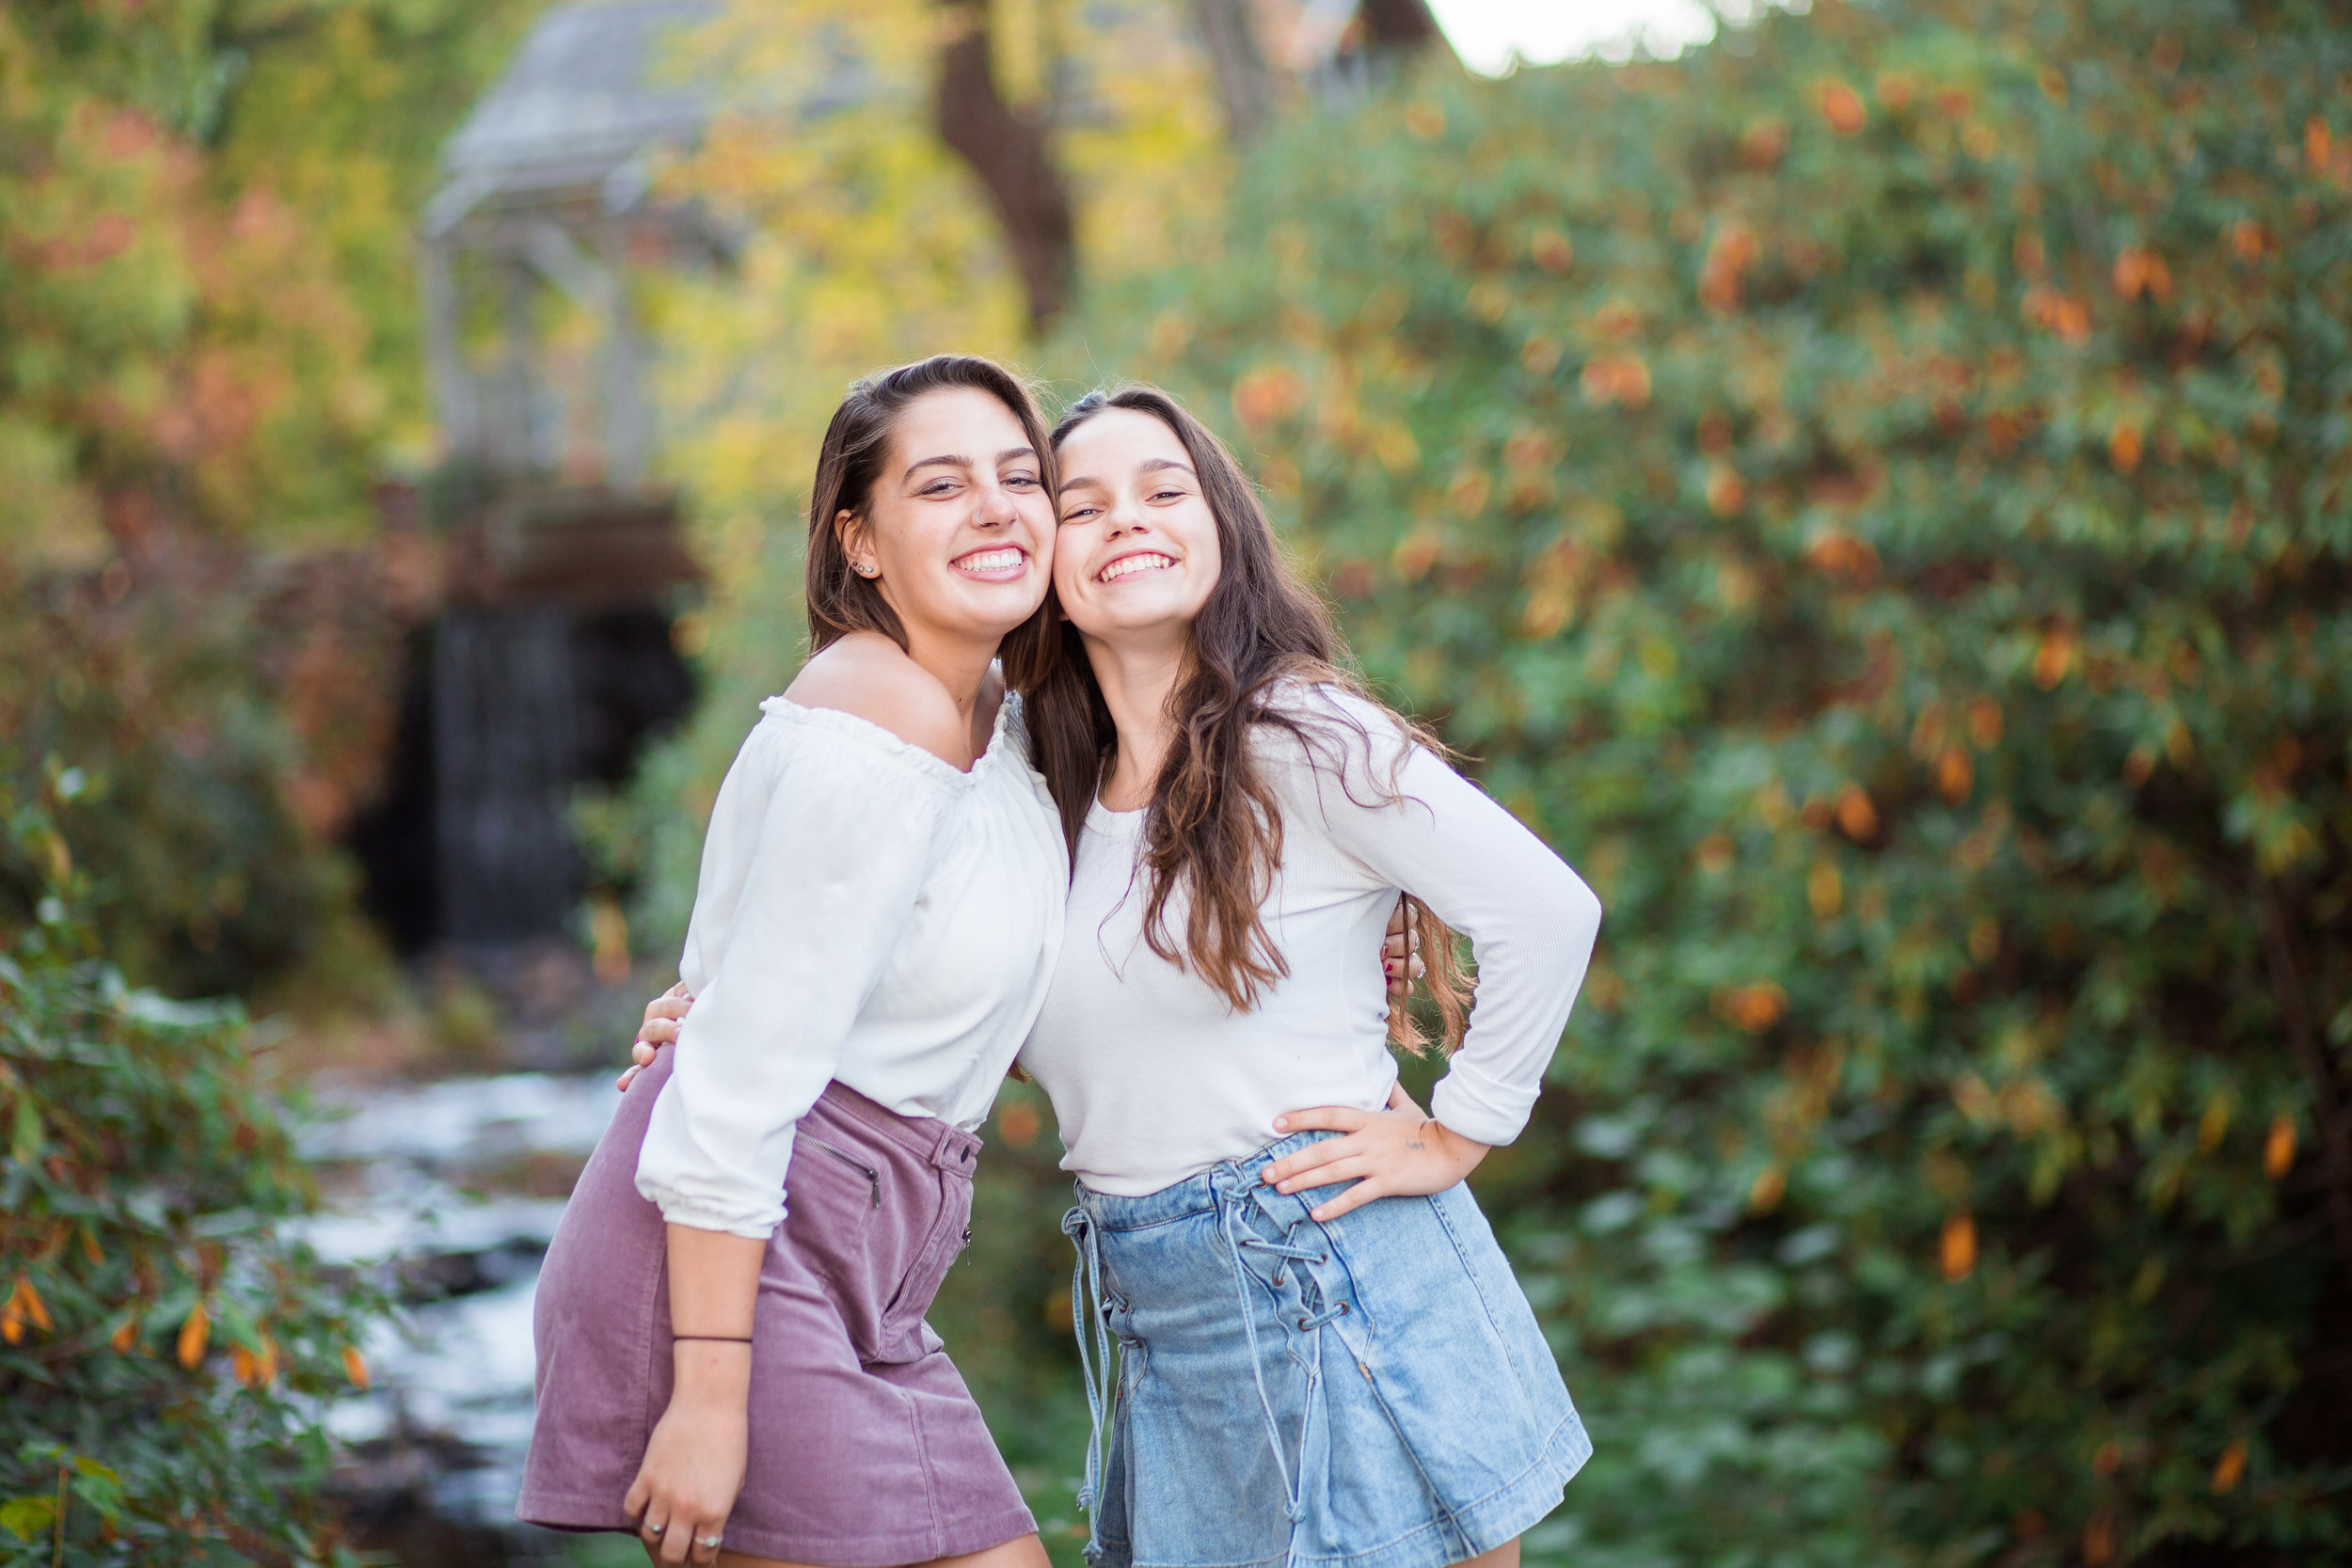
(662, 1014)
(694, 1466)
(1401, 1151)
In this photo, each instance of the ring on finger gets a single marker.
(708, 1543)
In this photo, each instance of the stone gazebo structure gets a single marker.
(551, 659)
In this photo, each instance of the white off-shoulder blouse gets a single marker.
(866, 912)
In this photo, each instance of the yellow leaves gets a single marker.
(1530, 459)
(1019, 1124)
(1417, 552)
(1555, 581)
(2027, 251)
(1957, 1248)
(1824, 890)
(1984, 939)
(1984, 723)
(1621, 377)
(194, 1335)
(1727, 492)
(1763, 142)
(2054, 657)
(1550, 250)
(1755, 1006)
(2326, 156)
(1540, 354)
(1857, 814)
(1604, 987)
(1466, 496)
(1736, 584)
(2124, 446)
(1842, 554)
(1764, 1193)
(1266, 394)
(1841, 106)
(2098, 1535)
(1171, 334)
(2248, 240)
(607, 938)
(2062, 314)
(1394, 446)
(2279, 1149)
(24, 1307)
(1734, 249)
(1955, 774)
(2140, 271)
(1424, 120)
(1715, 854)
(1617, 320)
(255, 1367)
(2214, 1125)
(126, 1335)
(356, 1368)
(1488, 300)
(2231, 1468)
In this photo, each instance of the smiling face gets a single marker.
(958, 532)
(1139, 553)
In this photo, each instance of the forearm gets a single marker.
(714, 1287)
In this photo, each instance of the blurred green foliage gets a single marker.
(166, 1351)
(208, 347)
(1874, 493)
(1877, 493)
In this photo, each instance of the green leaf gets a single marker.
(28, 1136)
(29, 1519)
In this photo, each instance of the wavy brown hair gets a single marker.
(839, 601)
(1214, 827)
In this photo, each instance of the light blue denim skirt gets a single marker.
(1372, 1392)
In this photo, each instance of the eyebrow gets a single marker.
(1152, 466)
(952, 461)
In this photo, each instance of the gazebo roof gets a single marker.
(588, 95)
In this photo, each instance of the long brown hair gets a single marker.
(1214, 826)
(839, 601)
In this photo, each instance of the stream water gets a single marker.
(454, 1188)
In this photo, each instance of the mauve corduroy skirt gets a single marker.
(865, 1448)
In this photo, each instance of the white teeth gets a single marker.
(990, 561)
(1130, 565)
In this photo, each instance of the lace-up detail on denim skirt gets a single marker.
(1373, 1392)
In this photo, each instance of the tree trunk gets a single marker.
(1244, 84)
(1400, 24)
(1009, 152)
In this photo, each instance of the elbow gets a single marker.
(1574, 909)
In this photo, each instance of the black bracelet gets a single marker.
(713, 1338)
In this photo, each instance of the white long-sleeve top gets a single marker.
(866, 912)
(1154, 1077)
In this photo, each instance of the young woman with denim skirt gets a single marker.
(1322, 1356)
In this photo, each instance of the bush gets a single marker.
(167, 1352)
(1877, 491)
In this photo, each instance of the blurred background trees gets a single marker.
(1871, 491)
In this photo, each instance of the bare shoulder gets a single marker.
(869, 675)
